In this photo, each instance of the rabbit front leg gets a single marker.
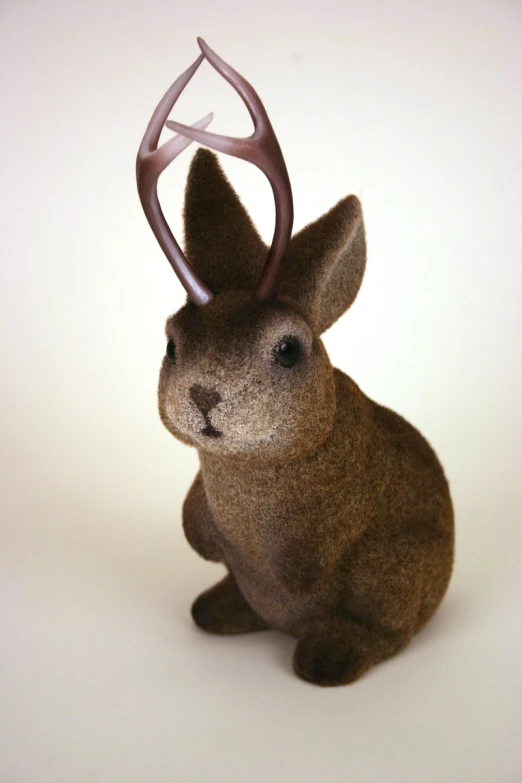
(222, 609)
(198, 523)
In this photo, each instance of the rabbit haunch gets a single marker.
(331, 513)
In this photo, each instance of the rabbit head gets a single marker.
(245, 371)
(243, 376)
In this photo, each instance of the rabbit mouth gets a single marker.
(210, 431)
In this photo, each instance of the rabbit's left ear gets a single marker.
(324, 266)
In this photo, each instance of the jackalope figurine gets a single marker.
(331, 513)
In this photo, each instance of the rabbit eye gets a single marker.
(171, 350)
(287, 352)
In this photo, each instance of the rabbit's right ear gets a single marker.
(325, 263)
(221, 242)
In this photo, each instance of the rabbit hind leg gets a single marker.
(223, 610)
(384, 590)
(341, 653)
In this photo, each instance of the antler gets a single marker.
(150, 163)
(263, 150)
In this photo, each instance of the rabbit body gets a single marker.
(331, 513)
(362, 526)
(356, 535)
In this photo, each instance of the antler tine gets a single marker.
(150, 163)
(263, 150)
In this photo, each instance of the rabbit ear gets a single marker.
(221, 243)
(325, 264)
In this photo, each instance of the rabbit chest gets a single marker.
(284, 529)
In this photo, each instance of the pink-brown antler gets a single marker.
(150, 163)
(261, 148)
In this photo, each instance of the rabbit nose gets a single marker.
(205, 399)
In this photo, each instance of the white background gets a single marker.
(417, 108)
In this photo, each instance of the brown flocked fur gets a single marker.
(331, 513)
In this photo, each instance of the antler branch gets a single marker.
(150, 163)
(261, 148)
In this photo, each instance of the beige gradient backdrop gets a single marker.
(414, 106)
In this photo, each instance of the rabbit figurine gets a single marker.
(330, 512)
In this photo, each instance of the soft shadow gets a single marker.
(151, 564)
(454, 613)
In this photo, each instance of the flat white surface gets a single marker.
(414, 106)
